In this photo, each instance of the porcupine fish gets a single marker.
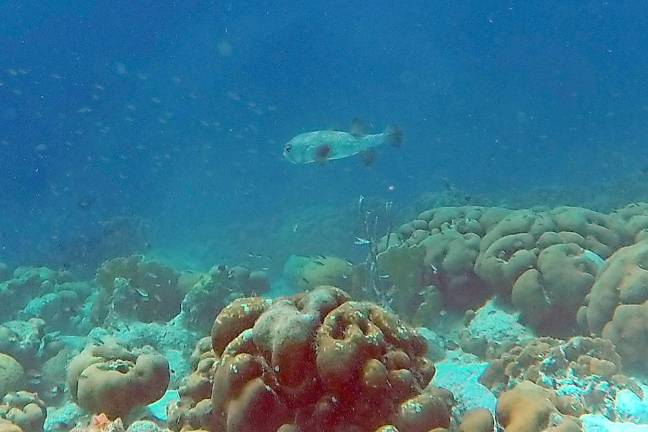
(324, 145)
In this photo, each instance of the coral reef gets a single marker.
(448, 238)
(61, 308)
(22, 339)
(218, 287)
(635, 219)
(101, 423)
(27, 283)
(111, 379)
(405, 269)
(541, 261)
(308, 272)
(544, 262)
(24, 410)
(531, 408)
(134, 287)
(315, 361)
(617, 307)
(589, 370)
(11, 374)
(490, 283)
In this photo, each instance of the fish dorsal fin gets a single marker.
(357, 128)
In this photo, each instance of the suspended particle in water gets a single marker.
(120, 68)
(224, 48)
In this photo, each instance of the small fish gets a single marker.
(142, 292)
(360, 241)
(322, 146)
(86, 202)
(258, 256)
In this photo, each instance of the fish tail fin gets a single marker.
(393, 136)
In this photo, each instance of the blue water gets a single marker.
(173, 114)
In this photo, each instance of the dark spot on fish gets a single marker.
(305, 280)
(319, 263)
(322, 153)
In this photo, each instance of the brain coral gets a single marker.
(11, 374)
(635, 220)
(531, 408)
(110, 379)
(546, 262)
(24, 410)
(617, 307)
(315, 361)
(450, 239)
(628, 330)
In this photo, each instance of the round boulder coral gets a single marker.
(315, 361)
(11, 374)
(24, 410)
(113, 380)
(617, 306)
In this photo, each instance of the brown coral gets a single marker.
(448, 238)
(555, 364)
(478, 420)
(134, 287)
(308, 272)
(11, 374)
(110, 379)
(216, 288)
(546, 262)
(317, 361)
(24, 410)
(617, 307)
(531, 408)
(580, 356)
(628, 330)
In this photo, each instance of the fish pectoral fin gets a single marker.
(368, 157)
(358, 129)
(322, 153)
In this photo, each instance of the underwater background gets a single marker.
(152, 132)
(176, 112)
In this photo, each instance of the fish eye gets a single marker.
(288, 147)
